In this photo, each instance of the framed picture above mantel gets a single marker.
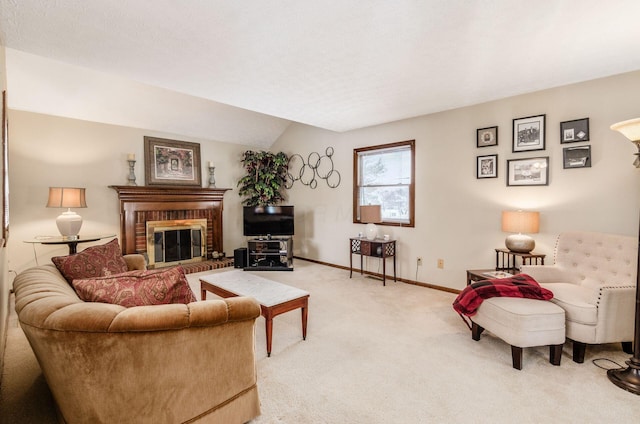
(171, 162)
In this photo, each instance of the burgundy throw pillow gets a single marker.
(94, 261)
(137, 288)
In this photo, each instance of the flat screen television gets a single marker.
(268, 221)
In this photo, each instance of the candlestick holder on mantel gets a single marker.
(212, 178)
(132, 174)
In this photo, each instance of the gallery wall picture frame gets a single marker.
(574, 131)
(486, 137)
(487, 166)
(529, 133)
(576, 157)
(171, 162)
(528, 172)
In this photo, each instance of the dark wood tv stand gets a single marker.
(270, 254)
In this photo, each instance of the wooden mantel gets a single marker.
(136, 201)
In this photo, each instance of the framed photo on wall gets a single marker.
(528, 133)
(171, 162)
(574, 131)
(487, 137)
(487, 166)
(576, 157)
(528, 172)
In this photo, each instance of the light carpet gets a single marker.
(400, 354)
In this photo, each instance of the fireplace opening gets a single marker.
(176, 242)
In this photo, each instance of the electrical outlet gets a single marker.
(441, 263)
(419, 261)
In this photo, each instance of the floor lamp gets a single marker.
(629, 378)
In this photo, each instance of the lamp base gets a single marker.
(371, 231)
(69, 224)
(628, 378)
(520, 243)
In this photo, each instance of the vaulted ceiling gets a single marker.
(241, 71)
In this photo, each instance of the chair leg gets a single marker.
(476, 330)
(516, 355)
(578, 351)
(627, 347)
(555, 354)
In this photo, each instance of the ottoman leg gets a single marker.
(555, 353)
(516, 355)
(476, 330)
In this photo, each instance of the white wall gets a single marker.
(4, 279)
(51, 151)
(457, 215)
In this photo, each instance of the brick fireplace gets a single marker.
(142, 204)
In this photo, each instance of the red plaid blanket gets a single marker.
(521, 285)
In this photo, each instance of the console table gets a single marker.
(378, 248)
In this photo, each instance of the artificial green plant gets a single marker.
(265, 180)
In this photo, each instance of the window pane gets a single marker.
(383, 175)
(394, 201)
(386, 167)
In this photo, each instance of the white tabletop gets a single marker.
(243, 283)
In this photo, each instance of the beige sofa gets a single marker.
(593, 278)
(148, 364)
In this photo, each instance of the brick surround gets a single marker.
(139, 204)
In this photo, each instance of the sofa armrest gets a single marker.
(547, 273)
(616, 312)
(135, 262)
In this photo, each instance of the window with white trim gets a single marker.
(385, 175)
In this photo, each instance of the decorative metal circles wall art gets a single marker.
(316, 167)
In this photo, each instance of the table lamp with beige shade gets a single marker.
(521, 223)
(69, 222)
(370, 215)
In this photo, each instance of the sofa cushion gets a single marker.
(137, 288)
(577, 301)
(94, 261)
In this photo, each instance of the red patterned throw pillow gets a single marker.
(94, 261)
(137, 288)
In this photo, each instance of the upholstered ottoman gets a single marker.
(522, 323)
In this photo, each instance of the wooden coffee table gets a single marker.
(274, 298)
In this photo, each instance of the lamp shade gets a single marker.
(66, 197)
(630, 129)
(520, 222)
(370, 214)
(69, 222)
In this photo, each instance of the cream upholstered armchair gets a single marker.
(593, 279)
